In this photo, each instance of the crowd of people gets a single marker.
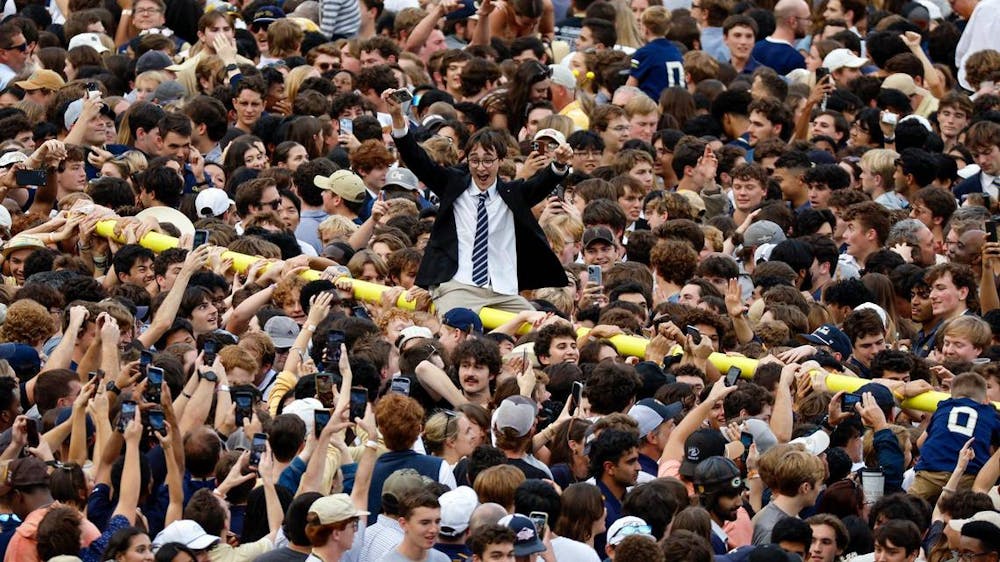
(557, 280)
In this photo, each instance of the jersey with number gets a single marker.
(658, 65)
(955, 421)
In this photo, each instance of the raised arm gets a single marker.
(128, 496)
(674, 449)
(175, 476)
(171, 304)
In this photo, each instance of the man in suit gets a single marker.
(983, 139)
(485, 245)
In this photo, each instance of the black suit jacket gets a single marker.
(972, 184)
(537, 266)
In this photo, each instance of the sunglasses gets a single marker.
(23, 47)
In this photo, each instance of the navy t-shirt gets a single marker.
(658, 65)
(955, 421)
(780, 56)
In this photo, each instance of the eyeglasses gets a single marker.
(272, 204)
(147, 11)
(475, 162)
(620, 129)
(23, 47)
(325, 66)
(971, 555)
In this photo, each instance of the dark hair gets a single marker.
(793, 530)
(482, 351)
(487, 535)
(206, 510)
(59, 531)
(537, 495)
(611, 387)
(901, 533)
(120, 542)
(609, 446)
(847, 292)
(164, 184)
(653, 502)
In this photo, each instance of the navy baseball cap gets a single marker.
(699, 446)
(883, 396)
(526, 541)
(832, 336)
(463, 319)
(22, 358)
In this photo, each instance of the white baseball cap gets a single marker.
(212, 202)
(843, 58)
(92, 40)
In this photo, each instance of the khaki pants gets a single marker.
(927, 484)
(453, 294)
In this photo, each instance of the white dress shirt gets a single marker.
(989, 188)
(502, 249)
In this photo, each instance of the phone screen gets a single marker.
(153, 387)
(747, 439)
(848, 401)
(540, 519)
(33, 438)
(733, 375)
(320, 419)
(257, 449)
(200, 238)
(400, 385)
(34, 178)
(127, 415)
(209, 352)
(359, 402)
(694, 333)
(577, 396)
(244, 406)
(324, 384)
(157, 421)
(333, 342)
(346, 127)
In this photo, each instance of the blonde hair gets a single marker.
(442, 150)
(881, 162)
(156, 76)
(786, 467)
(971, 328)
(656, 20)
(336, 227)
(640, 105)
(560, 123)
(560, 226)
(560, 297)
(627, 28)
(235, 357)
(294, 80)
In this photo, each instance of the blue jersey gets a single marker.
(658, 65)
(780, 56)
(955, 421)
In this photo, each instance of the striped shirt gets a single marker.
(339, 17)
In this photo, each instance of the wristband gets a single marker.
(372, 444)
(223, 388)
(232, 67)
(127, 12)
(310, 328)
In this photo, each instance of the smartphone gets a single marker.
(334, 340)
(695, 335)
(320, 419)
(33, 439)
(359, 402)
(733, 375)
(244, 405)
(400, 385)
(34, 178)
(257, 449)
(560, 193)
(594, 274)
(821, 73)
(127, 415)
(209, 352)
(324, 384)
(154, 376)
(537, 147)
(93, 90)
(847, 402)
(200, 238)
(360, 311)
(346, 127)
(540, 519)
(157, 422)
(991, 231)
(890, 118)
(401, 96)
(145, 358)
(98, 375)
(747, 439)
(576, 396)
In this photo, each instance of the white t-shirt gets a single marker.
(576, 551)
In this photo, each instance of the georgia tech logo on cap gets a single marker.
(694, 452)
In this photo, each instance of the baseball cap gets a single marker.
(92, 40)
(699, 446)
(902, 82)
(598, 234)
(650, 413)
(21, 242)
(22, 358)
(268, 14)
(12, 157)
(401, 177)
(526, 541)
(402, 482)
(304, 408)
(762, 232)
(551, 134)
(412, 333)
(282, 330)
(717, 473)
(988, 517)
(187, 532)
(830, 335)
(456, 509)
(467, 10)
(75, 108)
(562, 76)
(463, 319)
(335, 508)
(42, 79)
(24, 472)
(763, 437)
(882, 394)
(152, 60)
(843, 58)
(876, 308)
(815, 443)
(212, 202)
(168, 91)
(344, 183)
(517, 413)
(628, 526)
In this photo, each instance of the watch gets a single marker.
(210, 376)
(232, 67)
(112, 387)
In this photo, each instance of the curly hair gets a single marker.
(674, 261)
(401, 420)
(27, 322)
(287, 290)
(370, 155)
